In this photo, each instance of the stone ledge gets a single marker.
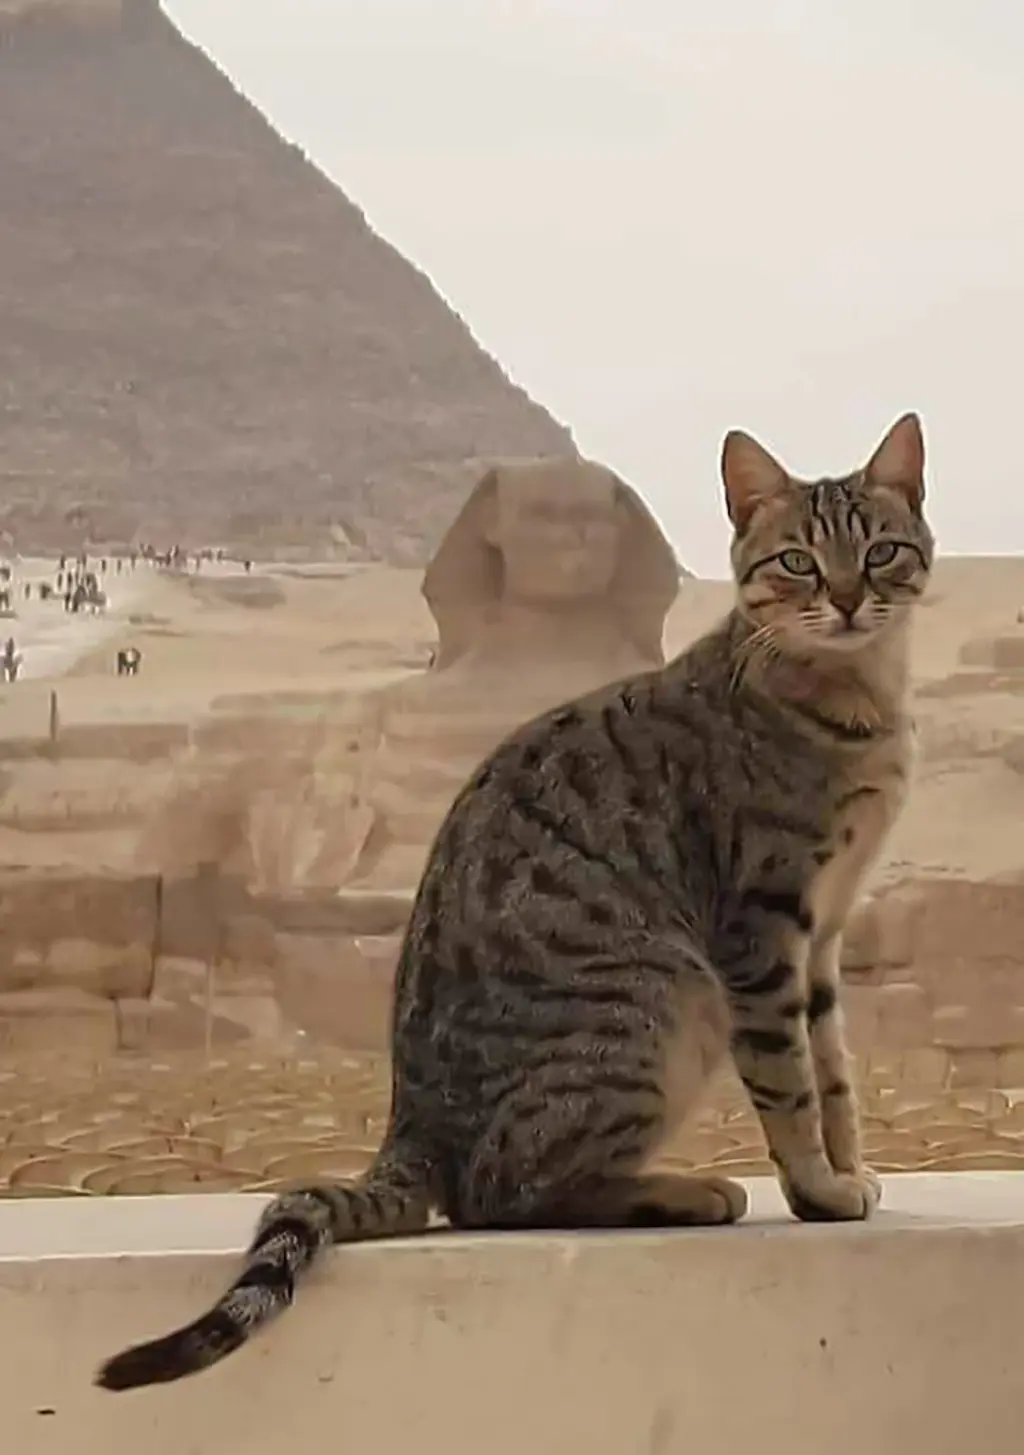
(901, 1334)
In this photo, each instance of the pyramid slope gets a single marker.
(201, 339)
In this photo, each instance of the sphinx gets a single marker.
(553, 578)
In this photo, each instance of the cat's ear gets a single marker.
(750, 476)
(898, 463)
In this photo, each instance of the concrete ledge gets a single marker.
(900, 1336)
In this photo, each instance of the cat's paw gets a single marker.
(841, 1197)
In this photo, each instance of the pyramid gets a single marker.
(201, 339)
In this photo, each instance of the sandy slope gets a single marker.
(53, 640)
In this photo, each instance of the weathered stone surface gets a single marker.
(96, 934)
(294, 344)
(337, 991)
(47, 1020)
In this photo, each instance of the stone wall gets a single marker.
(934, 990)
(935, 974)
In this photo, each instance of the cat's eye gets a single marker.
(798, 563)
(882, 553)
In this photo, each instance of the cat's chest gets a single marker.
(864, 811)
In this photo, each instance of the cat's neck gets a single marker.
(862, 692)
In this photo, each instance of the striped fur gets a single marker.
(630, 889)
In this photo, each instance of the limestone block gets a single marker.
(95, 934)
(999, 985)
(904, 1018)
(973, 921)
(133, 1018)
(108, 909)
(1010, 1068)
(978, 1025)
(861, 943)
(185, 1026)
(337, 990)
(195, 910)
(25, 967)
(257, 1017)
(881, 936)
(110, 970)
(860, 1009)
(372, 912)
(973, 1068)
(248, 940)
(181, 981)
(59, 1019)
(192, 1001)
(925, 1066)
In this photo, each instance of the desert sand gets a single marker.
(197, 965)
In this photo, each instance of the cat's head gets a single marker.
(828, 565)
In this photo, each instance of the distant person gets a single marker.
(10, 662)
(129, 660)
(248, 566)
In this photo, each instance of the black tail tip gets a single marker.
(175, 1356)
(160, 1362)
(135, 1368)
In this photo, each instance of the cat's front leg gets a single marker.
(766, 970)
(833, 1067)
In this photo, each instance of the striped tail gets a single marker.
(393, 1198)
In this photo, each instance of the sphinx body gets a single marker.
(553, 579)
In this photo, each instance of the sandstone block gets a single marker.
(181, 1026)
(976, 922)
(338, 991)
(961, 981)
(903, 1016)
(925, 1066)
(248, 939)
(182, 981)
(973, 1068)
(133, 1017)
(64, 1019)
(1010, 1068)
(861, 944)
(104, 969)
(978, 1025)
(860, 1009)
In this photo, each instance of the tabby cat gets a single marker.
(632, 887)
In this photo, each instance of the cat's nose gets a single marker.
(848, 602)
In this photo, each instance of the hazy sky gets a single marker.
(666, 217)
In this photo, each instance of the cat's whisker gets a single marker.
(749, 649)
